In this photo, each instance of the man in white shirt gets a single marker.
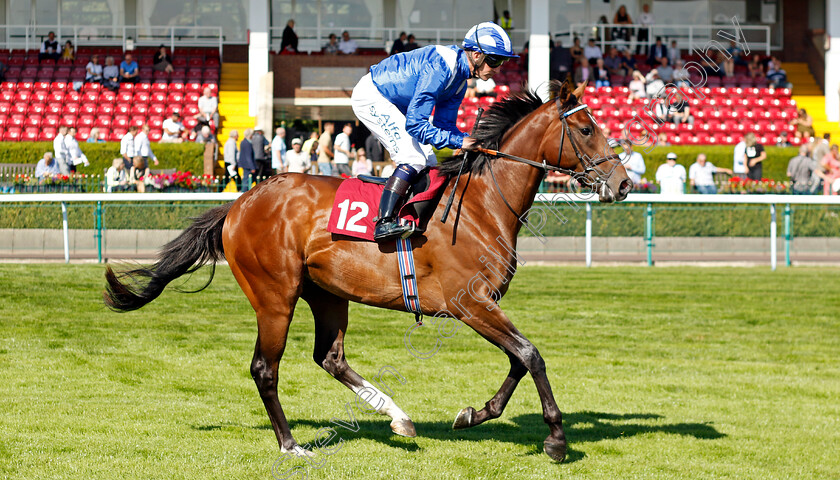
(702, 175)
(347, 46)
(671, 176)
(278, 151)
(208, 109)
(297, 160)
(172, 128)
(143, 147)
(72, 151)
(46, 167)
(633, 162)
(592, 51)
(341, 147)
(61, 150)
(739, 167)
(127, 147)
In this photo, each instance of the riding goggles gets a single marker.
(493, 61)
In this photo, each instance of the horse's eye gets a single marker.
(586, 131)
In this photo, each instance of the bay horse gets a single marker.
(275, 240)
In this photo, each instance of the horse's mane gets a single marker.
(493, 125)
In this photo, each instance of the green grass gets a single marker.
(673, 373)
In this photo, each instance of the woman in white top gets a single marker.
(637, 86)
(116, 179)
(93, 70)
(362, 165)
(74, 153)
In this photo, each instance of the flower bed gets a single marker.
(165, 182)
(737, 185)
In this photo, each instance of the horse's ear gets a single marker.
(579, 91)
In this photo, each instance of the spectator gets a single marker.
(143, 147)
(388, 170)
(325, 151)
(673, 53)
(3, 69)
(637, 86)
(506, 22)
(702, 175)
(278, 150)
(68, 52)
(561, 62)
(680, 76)
(411, 44)
(208, 109)
(831, 170)
(46, 167)
(820, 148)
(347, 45)
(681, 113)
(93, 70)
(50, 49)
(727, 63)
(362, 165)
(783, 140)
(621, 17)
(657, 52)
(592, 51)
(801, 172)
(331, 48)
(172, 129)
(232, 155)
(755, 67)
(739, 164)
(583, 74)
(60, 150)
(654, 86)
(485, 88)
(399, 44)
(162, 60)
(289, 43)
(374, 150)
(633, 162)
(297, 160)
(577, 51)
(777, 75)
(115, 178)
(646, 20)
(736, 53)
(666, 72)
(246, 159)
(129, 70)
(602, 76)
(127, 147)
(343, 153)
(754, 156)
(671, 176)
(613, 63)
(74, 154)
(111, 74)
(93, 136)
(310, 148)
(662, 140)
(804, 124)
(261, 148)
(138, 173)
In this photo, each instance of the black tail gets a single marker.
(199, 244)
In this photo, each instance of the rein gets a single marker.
(589, 165)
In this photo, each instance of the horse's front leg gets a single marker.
(524, 356)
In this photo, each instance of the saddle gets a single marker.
(357, 202)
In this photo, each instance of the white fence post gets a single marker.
(772, 236)
(588, 234)
(66, 232)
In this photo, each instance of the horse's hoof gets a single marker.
(298, 451)
(404, 428)
(556, 450)
(464, 419)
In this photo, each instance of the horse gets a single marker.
(275, 240)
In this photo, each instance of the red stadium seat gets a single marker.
(72, 97)
(159, 87)
(68, 120)
(85, 121)
(47, 134)
(157, 97)
(120, 122)
(155, 135)
(71, 109)
(103, 122)
(87, 109)
(50, 120)
(82, 133)
(37, 109)
(107, 96)
(189, 110)
(137, 121)
(8, 86)
(58, 86)
(117, 134)
(127, 87)
(13, 134)
(141, 98)
(140, 109)
(90, 97)
(91, 87)
(30, 135)
(176, 97)
(214, 88)
(155, 122)
(105, 109)
(196, 87)
(177, 87)
(191, 122)
(122, 109)
(23, 97)
(171, 108)
(157, 109)
(20, 108)
(32, 121)
(39, 96)
(5, 108)
(142, 87)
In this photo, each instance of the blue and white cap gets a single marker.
(489, 38)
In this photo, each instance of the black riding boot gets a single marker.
(387, 226)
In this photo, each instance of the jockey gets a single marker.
(395, 102)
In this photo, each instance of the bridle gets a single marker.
(589, 165)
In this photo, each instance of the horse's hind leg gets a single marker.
(330, 314)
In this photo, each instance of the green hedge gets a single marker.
(775, 166)
(186, 157)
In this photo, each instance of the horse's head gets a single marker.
(575, 142)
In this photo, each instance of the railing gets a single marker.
(543, 201)
(313, 39)
(31, 36)
(687, 36)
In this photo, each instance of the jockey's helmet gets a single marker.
(489, 39)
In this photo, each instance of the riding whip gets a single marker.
(460, 171)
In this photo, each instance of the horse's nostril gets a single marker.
(625, 187)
